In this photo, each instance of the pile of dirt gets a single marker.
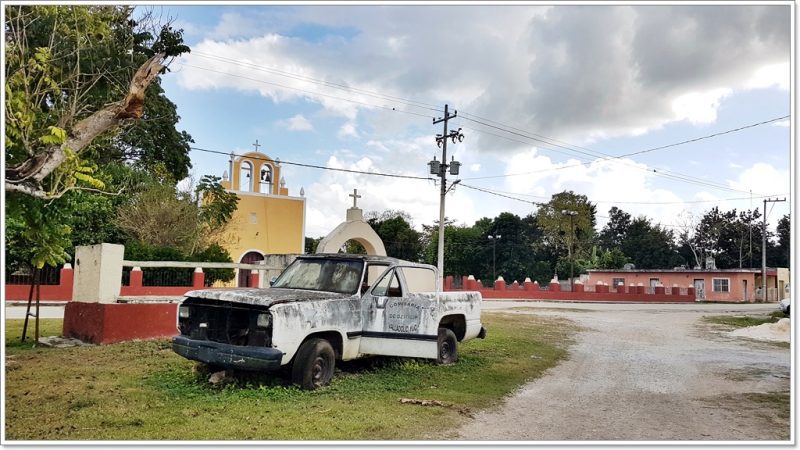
(779, 331)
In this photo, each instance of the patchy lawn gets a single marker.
(744, 321)
(144, 391)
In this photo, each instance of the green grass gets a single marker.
(144, 391)
(744, 321)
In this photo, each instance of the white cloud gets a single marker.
(699, 107)
(782, 123)
(296, 123)
(348, 130)
(566, 71)
(771, 75)
(476, 167)
(763, 179)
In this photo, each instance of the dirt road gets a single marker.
(647, 373)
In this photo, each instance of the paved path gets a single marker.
(644, 372)
(45, 312)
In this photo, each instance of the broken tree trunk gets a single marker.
(27, 177)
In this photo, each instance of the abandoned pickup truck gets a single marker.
(327, 307)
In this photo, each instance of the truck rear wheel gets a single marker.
(446, 344)
(313, 364)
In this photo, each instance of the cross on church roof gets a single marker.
(256, 145)
(355, 197)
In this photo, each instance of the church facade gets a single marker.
(268, 220)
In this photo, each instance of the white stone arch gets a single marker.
(358, 231)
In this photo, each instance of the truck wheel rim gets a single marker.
(319, 370)
(445, 351)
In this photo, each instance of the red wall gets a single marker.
(60, 292)
(63, 291)
(532, 291)
(107, 323)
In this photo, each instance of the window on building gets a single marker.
(721, 285)
(265, 179)
(618, 282)
(246, 177)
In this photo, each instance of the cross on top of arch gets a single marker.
(355, 197)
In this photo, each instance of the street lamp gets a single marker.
(571, 214)
(494, 239)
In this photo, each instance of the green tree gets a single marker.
(612, 259)
(616, 229)
(163, 216)
(396, 231)
(782, 258)
(650, 246)
(74, 76)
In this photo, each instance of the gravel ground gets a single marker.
(646, 373)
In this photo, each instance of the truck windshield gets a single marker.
(331, 275)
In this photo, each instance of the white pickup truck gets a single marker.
(328, 307)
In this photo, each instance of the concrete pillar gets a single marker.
(528, 285)
(500, 284)
(578, 286)
(67, 280)
(136, 277)
(98, 273)
(448, 283)
(254, 278)
(515, 285)
(660, 290)
(198, 278)
(555, 286)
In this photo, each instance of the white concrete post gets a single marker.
(98, 273)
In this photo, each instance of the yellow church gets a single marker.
(267, 220)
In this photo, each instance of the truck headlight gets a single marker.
(264, 320)
(183, 312)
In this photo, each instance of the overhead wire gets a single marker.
(327, 83)
(473, 117)
(313, 166)
(663, 173)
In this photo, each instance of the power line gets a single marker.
(535, 137)
(389, 108)
(314, 166)
(594, 154)
(318, 81)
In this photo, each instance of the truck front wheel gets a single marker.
(447, 351)
(313, 364)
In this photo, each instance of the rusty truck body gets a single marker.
(324, 308)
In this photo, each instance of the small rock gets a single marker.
(217, 377)
(60, 342)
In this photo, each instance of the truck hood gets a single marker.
(264, 297)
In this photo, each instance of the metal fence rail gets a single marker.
(48, 275)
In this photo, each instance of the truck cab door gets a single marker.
(393, 321)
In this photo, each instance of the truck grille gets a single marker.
(224, 322)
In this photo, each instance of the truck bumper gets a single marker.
(228, 356)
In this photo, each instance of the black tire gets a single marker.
(313, 364)
(447, 347)
(787, 311)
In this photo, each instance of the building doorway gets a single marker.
(700, 288)
(244, 274)
(744, 291)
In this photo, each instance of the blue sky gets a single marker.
(356, 87)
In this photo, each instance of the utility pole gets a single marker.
(440, 169)
(494, 239)
(571, 214)
(764, 248)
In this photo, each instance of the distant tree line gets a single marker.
(539, 245)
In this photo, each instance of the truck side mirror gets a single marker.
(272, 280)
